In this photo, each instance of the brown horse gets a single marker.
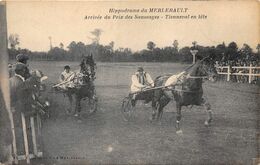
(83, 87)
(186, 92)
(85, 90)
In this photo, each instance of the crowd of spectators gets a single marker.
(238, 69)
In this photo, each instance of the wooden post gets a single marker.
(4, 75)
(33, 136)
(250, 74)
(228, 73)
(14, 140)
(26, 146)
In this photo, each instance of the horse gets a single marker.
(187, 91)
(83, 88)
(82, 91)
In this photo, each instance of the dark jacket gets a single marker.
(21, 93)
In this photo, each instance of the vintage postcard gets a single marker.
(129, 82)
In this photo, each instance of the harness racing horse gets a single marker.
(187, 91)
(83, 89)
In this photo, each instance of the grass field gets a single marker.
(107, 139)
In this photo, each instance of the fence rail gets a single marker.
(249, 71)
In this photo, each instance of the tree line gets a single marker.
(107, 53)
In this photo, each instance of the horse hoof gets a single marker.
(206, 123)
(68, 111)
(79, 121)
(151, 119)
(125, 120)
(179, 132)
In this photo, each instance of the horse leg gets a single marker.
(71, 101)
(78, 106)
(155, 105)
(159, 111)
(156, 102)
(207, 106)
(178, 119)
(163, 102)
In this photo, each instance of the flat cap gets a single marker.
(22, 57)
(140, 69)
(66, 67)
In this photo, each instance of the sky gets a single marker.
(35, 21)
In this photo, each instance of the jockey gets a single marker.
(67, 77)
(140, 80)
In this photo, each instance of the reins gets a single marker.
(165, 88)
(195, 77)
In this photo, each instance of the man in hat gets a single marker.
(140, 80)
(18, 86)
(20, 59)
(20, 90)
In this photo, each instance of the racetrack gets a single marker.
(106, 138)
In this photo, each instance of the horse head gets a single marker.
(202, 69)
(208, 70)
(196, 73)
(37, 78)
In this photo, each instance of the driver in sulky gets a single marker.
(67, 77)
(140, 80)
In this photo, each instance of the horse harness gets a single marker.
(181, 86)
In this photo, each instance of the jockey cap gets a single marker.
(140, 69)
(22, 57)
(67, 67)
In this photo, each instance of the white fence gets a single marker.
(250, 71)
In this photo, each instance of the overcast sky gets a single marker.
(226, 21)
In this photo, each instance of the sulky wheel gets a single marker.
(127, 108)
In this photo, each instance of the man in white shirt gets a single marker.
(67, 77)
(141, 80)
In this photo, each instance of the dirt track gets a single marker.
(105, 138)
